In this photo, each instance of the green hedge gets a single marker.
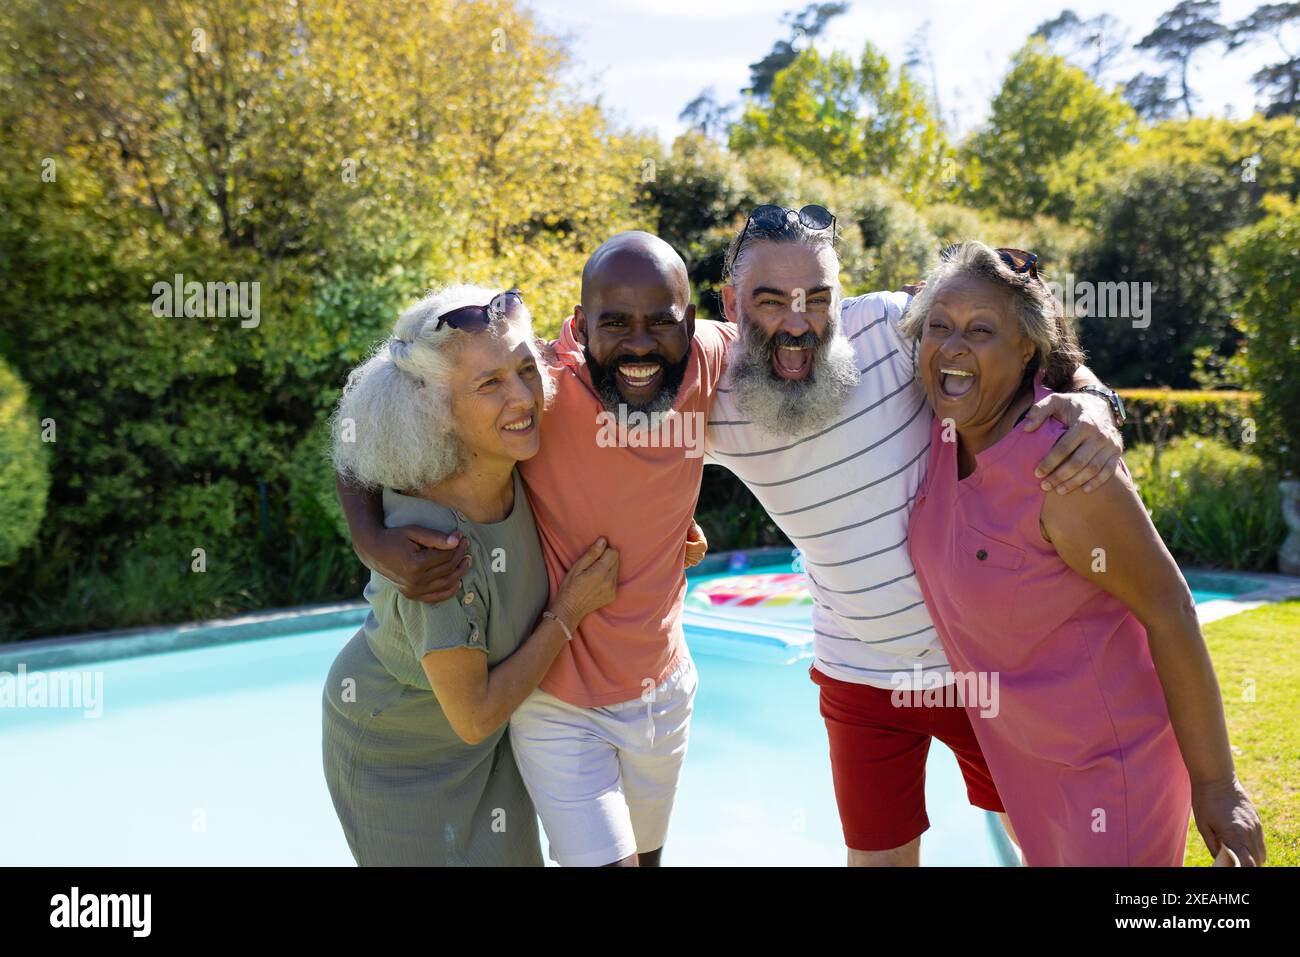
(1157, 415)
(24, 468)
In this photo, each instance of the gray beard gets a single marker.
(779, 406)
(613, 400)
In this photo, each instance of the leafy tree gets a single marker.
(1179, 35)
(886, 240)
(706, 115)
(1044, 110)
(850, 119)
(1264, 257)
(697, 194)
(1255, 157)
(1093, 43)
(805, 26)
(1277, 83)
(343, 157)
(1159, 210)
(918, 60)
(1149, 96)
(1157, 232)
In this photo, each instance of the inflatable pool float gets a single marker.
(760, 616)
(781, 596)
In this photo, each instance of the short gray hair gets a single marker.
(1042, 319)
(393, 426)
(791, 231)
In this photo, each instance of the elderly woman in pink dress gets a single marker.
(1109, 728)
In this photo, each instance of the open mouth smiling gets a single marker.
(955, 383)
(640, 378)
(522, 426)
(792, 362)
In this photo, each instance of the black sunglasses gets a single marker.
(771, 217)
(478, 318)
(1020, 261)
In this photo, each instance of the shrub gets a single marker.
(696, 188)
(730, 515)
(1264, 256)
(24, 471)
(180, 432)
(886, 240)
(312, 497)
(954, 223)
(1056, 243)
(698, 197)
(1214, 505)
(140, 588)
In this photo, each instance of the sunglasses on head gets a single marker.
(1019, 261)
(478, 318)
(770, 217)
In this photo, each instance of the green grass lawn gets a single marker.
(1261, 648)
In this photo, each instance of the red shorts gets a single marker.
(878, 754)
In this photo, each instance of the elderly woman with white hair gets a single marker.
(417, 758)
(1106, 726)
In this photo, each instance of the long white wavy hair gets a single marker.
(393, 425)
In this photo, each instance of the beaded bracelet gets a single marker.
(568, 635)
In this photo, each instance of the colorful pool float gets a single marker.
(781, 595)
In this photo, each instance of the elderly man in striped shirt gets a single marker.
(821, 415)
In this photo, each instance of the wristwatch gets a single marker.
(1112, 398)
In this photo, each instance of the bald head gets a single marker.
(636, 320)
(635, 256)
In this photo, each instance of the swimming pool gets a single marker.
(211, 756)
(1207, 586)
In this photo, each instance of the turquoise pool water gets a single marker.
(1207, 586)
(212, 757)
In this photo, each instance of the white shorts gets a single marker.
(603, 779)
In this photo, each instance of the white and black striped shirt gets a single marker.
(843, 496)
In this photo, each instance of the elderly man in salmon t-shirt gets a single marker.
(600, 743)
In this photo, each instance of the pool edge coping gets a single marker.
(115, 644)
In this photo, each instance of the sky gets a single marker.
(646, 59)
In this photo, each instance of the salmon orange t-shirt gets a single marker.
(635, 482)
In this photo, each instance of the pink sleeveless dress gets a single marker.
(1080, 747)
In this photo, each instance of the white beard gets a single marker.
(791, 408)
